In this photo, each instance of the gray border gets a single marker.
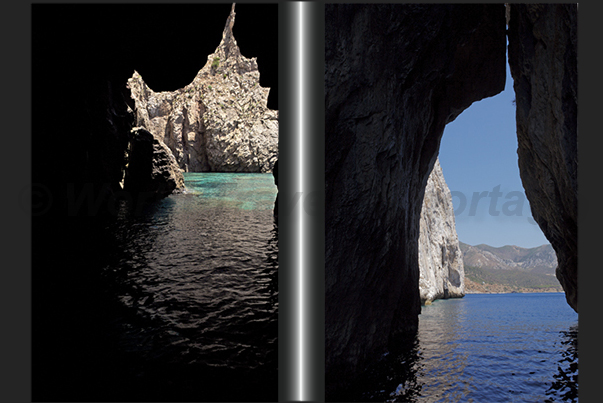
(589, 215)
(16, 204)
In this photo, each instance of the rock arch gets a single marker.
(395, 75)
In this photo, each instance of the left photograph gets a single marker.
(155, 135)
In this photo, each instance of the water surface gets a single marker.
(483, 348)
(172, 301)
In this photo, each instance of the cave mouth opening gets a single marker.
(513, 308)
(479, 161)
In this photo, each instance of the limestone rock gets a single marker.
(220, 121)
(152, 169)
(395, 74)
(542, 57)
(441, 270)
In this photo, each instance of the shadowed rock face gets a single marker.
(394, 76)
(152, 169)
(275, 175)
(542, 57)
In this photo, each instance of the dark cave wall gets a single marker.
(394, 76)
(543, 61)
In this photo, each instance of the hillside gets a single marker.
(509, 268)
(541, 259)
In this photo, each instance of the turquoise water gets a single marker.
(483, 348)
(244, 191)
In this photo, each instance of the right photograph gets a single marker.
(451, 203)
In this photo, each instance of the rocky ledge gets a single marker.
(219, 122)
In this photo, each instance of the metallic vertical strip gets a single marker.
(301, 201)
(288, 232)
(311, 183)
(314, 204)
(301, 116)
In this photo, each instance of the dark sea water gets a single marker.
(176, 301)
(483, 348)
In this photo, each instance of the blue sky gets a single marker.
(478, 155)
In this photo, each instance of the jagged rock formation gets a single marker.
(220, 121)
(441, 270)
(542, 57)
(394, 76)
(152, 169)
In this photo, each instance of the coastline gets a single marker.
(472, 287)
(531, 291)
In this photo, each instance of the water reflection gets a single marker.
(179, 303)
(205, 268)
(494, 348)
(394, 378)
(270, 268)
(428, 363)
(565, 386)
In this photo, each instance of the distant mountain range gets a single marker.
(541, 259)
(509, 268)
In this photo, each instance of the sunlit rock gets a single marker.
(441, 271)
(220, 121)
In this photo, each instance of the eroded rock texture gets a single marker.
(542, 57)
(441, 270)
(394, 76)
(220, 121)
(152, 169)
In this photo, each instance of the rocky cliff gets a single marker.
(394, 76)
(441, 270)
(543, 61)
(219, 122)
